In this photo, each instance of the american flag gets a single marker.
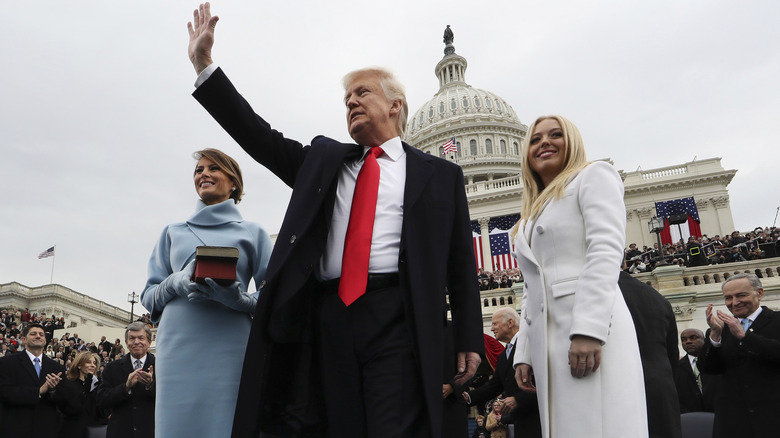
(48, 253)
(501, 250)
(450, 146)
(477, 241)
(678, 206)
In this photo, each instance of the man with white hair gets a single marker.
(744, 347)
(519, 408)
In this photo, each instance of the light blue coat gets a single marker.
(200, 346)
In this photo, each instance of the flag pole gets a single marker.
(51, 280)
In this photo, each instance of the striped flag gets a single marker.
(450, 146)
(477, 241)
(48, 253)
(501, 250)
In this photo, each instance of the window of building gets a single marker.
(473, 147)
(488, 146)
(502, 144)
(477, 102)
(465, 102)
(453, 105)
(441, 107)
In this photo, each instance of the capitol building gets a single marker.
(488, 137)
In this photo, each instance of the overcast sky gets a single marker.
(98, 125)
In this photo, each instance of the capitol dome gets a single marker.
(486, 130)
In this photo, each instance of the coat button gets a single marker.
(540, 229)
(292, 238)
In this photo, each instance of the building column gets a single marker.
(485, 232)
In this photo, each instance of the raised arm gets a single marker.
(201, 30)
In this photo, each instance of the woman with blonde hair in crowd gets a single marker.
(577, 346)
(198, 371)
(80, 386)
(494, 425)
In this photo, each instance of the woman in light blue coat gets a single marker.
(203, 328)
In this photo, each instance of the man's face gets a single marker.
(502, 328)
(692, 340)
(137, 343)
(369, 111)
(740, 298)
(35, 339)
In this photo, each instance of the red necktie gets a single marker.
(357, 243)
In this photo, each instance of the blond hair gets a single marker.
(392, 88)
(535, 193)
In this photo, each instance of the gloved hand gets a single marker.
(177, 284)
(231, 296)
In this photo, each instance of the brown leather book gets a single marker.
(217, 263)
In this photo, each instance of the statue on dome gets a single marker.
(449, 37)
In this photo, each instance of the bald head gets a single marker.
(692, 341)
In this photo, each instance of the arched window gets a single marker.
(457, 143)
(453, 105)
(488, 103)
(430, 112)
(477, 102)
(515, 150)
(465, 102)
(421, 118)
(502, 144)
(488, 146)
(473, 147)
(441, 107)
(441, 151)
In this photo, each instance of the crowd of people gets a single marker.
(500, 279)
(704, 250)
(64, 349)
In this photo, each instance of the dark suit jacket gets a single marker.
(279, 384)
(749, 397)
(25, 412)
(691, 399)
(656, 332)
(526, 416)
(132, 415)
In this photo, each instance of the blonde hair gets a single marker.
(81, 359)
(535, 193)
(392, 88)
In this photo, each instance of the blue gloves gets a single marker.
(231, 296)
(177, 284)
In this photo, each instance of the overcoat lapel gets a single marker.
(28, 366)
(418, 172)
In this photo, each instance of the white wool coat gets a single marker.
(570, 257)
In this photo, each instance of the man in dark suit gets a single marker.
(128, 387)
(365, 350)
(519, 408)
(656, 332)
(28, 389)
(744, 348)
(696, 393)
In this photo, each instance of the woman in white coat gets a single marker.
(577, 345)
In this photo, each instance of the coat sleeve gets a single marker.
(111, 392)
(267, 146)
(461, 269)
(600, 198)
(159, 269)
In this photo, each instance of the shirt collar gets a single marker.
(143, 360)
(393, 148)
(752, 317)
(32, 356)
